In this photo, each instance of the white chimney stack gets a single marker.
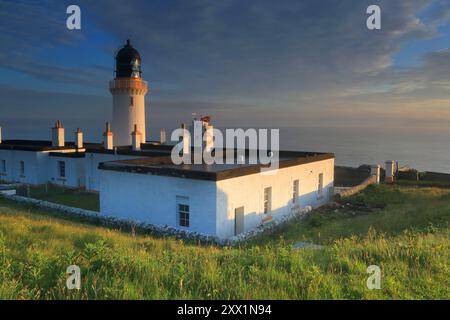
(108, 138)
(209, 138)
(375, 171)
(79, 139)
(58, 135)
(162, 136)
(390, 171)
(136, 139)
(186, 140)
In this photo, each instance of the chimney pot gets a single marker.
(162, 136)
(108, 138)
(78, 139)
(58, 135)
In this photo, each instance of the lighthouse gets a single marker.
(128, 91)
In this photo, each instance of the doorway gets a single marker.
(238, 220)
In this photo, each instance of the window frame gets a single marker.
(267, 201)
(320, 186)
(295, 190)
(61, 169)
(22, 168)
(183, 212)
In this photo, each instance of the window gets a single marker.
(3, 166)
(267, 200)
(131, 101)
(183, 211)
(295, 191)
(22, 168)
(62, 169)
(320, 186)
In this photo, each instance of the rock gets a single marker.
(306, 245)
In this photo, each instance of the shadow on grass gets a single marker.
(65, 196)
(124, 228)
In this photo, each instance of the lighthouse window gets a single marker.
(62, 169)
(131, 101)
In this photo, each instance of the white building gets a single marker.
(211, 199)
(137, 179)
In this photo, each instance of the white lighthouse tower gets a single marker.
(128, 91)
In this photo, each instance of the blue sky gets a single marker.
(247, 63)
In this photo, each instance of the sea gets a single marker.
(422, 149)
(425, 149)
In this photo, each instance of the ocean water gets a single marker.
(423, 149)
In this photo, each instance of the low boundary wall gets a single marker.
(161, 231)
(360, 187)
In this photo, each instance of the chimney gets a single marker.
(162, 136)
(78, 139)
(209, 138)
(136, 139)
(108, 138)
(186, 140)
(58, 135)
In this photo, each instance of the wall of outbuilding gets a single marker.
(74, 172)
(92, 160)
(35, 165)
(248, 191)
(153, 199)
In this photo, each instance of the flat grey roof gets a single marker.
(163, 166)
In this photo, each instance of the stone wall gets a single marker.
(350, 177)
(435, 176)
(160, 231)
(353, 190)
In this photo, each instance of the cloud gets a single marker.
(264, 61)
(250, 48)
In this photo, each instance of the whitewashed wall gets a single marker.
(248, 191)
(152, 199)
(40, 168)
(35, 166)
(126, 116)
(75, 173)
(92, 160)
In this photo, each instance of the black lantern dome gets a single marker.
(128, 62)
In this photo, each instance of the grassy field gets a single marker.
(407, 236)
(65, 196)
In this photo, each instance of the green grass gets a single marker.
(408, 239)
(403, 208)
(65, 196)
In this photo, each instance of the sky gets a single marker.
(309, 63)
